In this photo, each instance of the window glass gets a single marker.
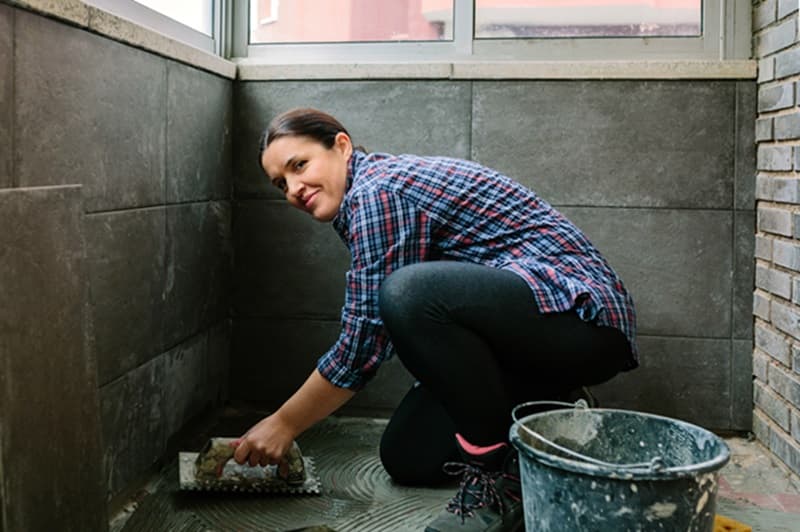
(587, 18)
(197, 14)
(310, 21)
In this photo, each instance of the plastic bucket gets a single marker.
(588, 469)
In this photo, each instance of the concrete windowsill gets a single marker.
(254, 69)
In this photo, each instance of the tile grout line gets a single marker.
(165, 234)
(13, 112)
(731, 370)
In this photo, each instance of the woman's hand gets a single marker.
(266, 443)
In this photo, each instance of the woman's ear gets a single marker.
(344, 144)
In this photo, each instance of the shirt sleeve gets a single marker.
(386, 233)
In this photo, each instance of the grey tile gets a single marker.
(198, 266)
(219, 361)
(745, 178)
(272, 358)
(50, 436)
(133, 415)
(743, 273)
(199, 108)
(96, 108)
(423, 117)
(6, 92)
(126, 258)
(677, 265)
(684, 378)
(287, 264)
(611, 143)
(742, 385)
(185, 380)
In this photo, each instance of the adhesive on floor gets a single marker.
(357, 494)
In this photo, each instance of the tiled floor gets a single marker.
(358, 495)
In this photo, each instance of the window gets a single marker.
(492, 30)
(587, 18)
(310, 21)
(195, 22)
(197, 14)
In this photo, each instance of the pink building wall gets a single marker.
(376, 20)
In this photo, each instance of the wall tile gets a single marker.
(272, 358)
(677, 264)
(591, 143)
(745, 166)
(219, 361)
(199, 108)
(287, 264)
(134, 414)
(423, 117)
(185, 381)
(6, 91)
(684, 378)
(50, 438)
(96, 108)
(126, 257)
(198, 267)
(743, 273)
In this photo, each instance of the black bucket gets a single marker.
(598, 469)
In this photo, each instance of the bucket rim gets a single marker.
(591, 469)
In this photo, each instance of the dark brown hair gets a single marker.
(303, 122)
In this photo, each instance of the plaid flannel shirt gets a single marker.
(400, 210)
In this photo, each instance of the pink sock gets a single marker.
(475, 450)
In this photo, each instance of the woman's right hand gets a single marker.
(266, 443)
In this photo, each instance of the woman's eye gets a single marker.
(299, 165)
(280, 183)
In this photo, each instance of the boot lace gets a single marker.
(478, 489)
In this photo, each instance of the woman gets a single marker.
(488, 295)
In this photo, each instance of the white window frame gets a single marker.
(149, 18)
(723, 38)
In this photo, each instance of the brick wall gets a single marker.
(776, 300)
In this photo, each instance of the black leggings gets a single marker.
(476, 343)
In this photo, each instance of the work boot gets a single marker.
(489, 496)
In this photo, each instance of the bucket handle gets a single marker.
(655, 464)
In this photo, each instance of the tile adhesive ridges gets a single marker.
(357, 494)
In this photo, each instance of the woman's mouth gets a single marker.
(309, 199)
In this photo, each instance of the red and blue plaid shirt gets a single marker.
(400, 210)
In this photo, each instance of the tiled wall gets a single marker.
(659, 174)
(150, 141)
(776, 300)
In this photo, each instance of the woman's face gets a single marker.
(312, 177)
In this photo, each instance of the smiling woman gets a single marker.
(488, 295)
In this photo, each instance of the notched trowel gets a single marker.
(213, 470)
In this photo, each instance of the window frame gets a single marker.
(169, 27)
(722, 39)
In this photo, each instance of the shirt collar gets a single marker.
(340, 220)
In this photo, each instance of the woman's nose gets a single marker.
(294, 187)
